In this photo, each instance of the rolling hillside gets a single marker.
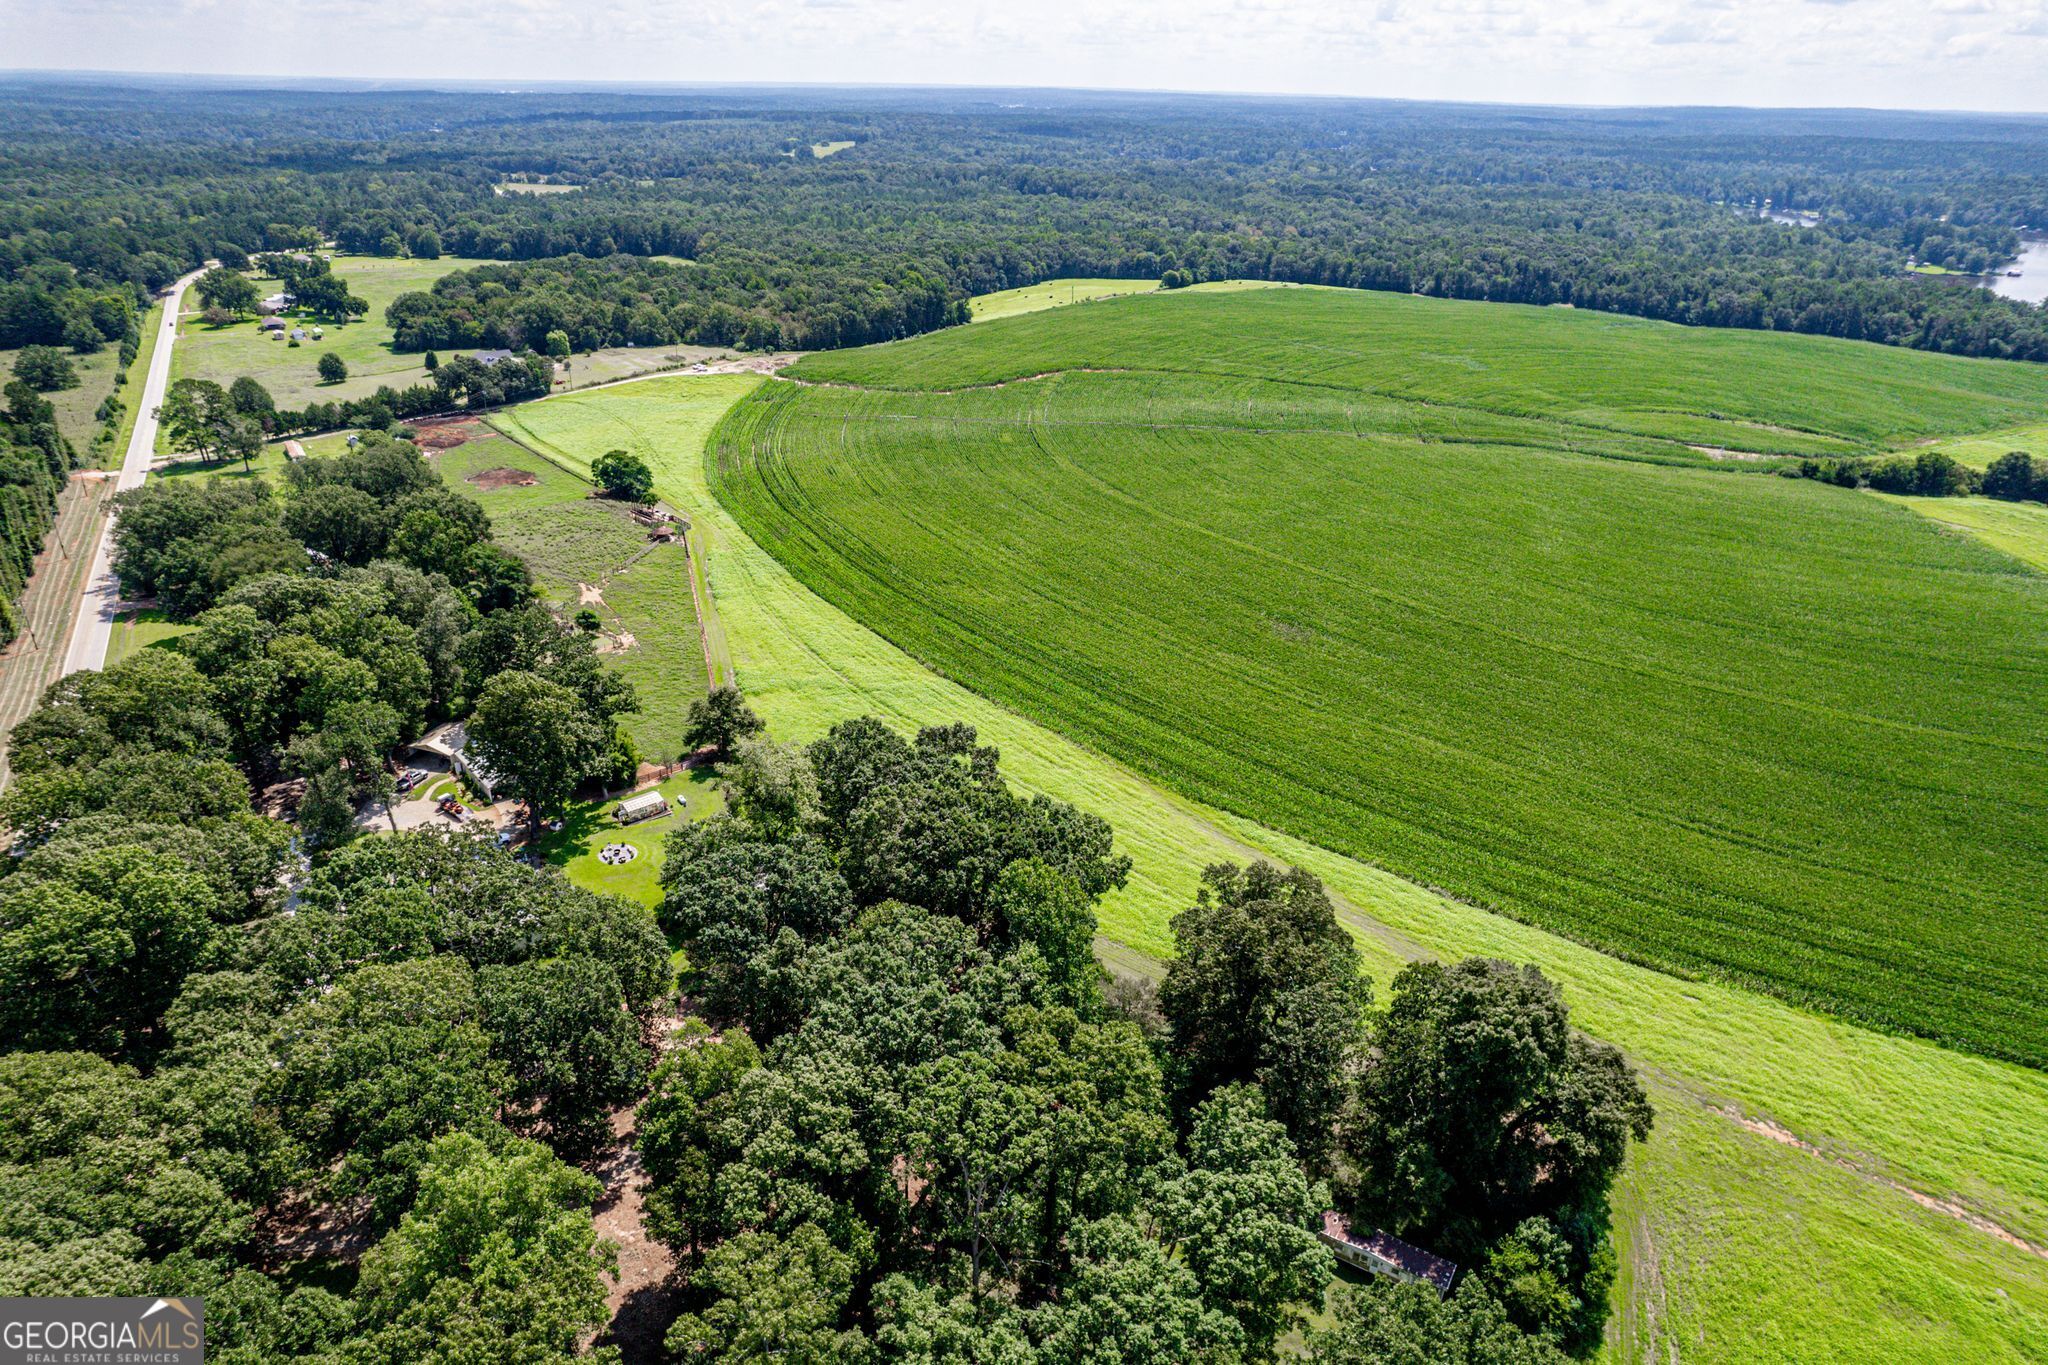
(1354, 567)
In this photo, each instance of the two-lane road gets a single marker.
(94, 627)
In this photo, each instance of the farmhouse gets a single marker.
(1377, 1253)
(488, 358)
(276, 303)
(644, 806)
(448, 742)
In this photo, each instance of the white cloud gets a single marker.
(1951, 54)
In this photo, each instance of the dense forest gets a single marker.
(943, 195)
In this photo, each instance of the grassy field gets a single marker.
(135, 631)
(579, 546)
(2019, 529)
(1052, 294)
(76, 405)
(1980, 450)
(1717, 721)
(1735, 1248)
(821, 150)
(224, 354)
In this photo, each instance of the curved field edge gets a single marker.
(1671, 736)
(1733, 1246)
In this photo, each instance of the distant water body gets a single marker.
(2032, 284)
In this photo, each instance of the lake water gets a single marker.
(2032, 285)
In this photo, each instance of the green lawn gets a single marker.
(224, 354)
(1052, 294)
(589, 826)
(821, 150)
(2019, 529)
(1732, 1209)
(139, 630)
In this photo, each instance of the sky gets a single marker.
(1917, 54)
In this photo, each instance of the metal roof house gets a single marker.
(448, 742)
(488, 358)
(1377, 1253)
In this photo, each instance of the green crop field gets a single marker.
(1734, 1247)
(1308, 557)
(225, 354)
(587, 551)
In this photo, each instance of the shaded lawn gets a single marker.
(588, 826)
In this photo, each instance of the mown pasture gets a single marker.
(586, 551)
(1327, 561)
(1734, 1247)
(224, 354)
(2019, 529)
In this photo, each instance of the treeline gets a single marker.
(624, 301)
(223, 424)
(35, 461)
(2013, 477)
(944, 196)
(918, 1124)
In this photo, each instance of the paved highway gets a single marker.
(94, 626)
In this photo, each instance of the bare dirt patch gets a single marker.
(1724, 453)
(589, 595)
(446, 433)
(501, 477)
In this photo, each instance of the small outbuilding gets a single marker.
(641, 806)
(272, 324)
(1377, 1253)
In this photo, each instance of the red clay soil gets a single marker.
(648, 1294)
(446, 433)
(501, 477)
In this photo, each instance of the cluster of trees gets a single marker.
(917, 1126)
(1650, 212)
(631, 301)
(2013, 477)
(52, 303)
(332, 622)
(421, 1044)
(221, 425)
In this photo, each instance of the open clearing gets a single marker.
(1979, 451)
(1036, 298)
(1052, 294)
(2019, 529)
(142, 628)
(546, 515)
(225, 354)
(1312, 558)
(1735, 1231)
